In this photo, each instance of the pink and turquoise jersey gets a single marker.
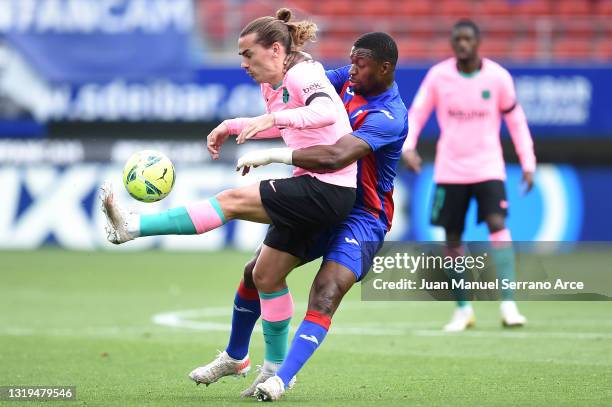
(302, 84)
(469, 109)
(382, 122)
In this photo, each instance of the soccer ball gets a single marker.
(148, 176)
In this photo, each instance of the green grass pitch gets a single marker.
(86, 319)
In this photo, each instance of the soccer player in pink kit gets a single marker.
(470, 95)
(305, 110)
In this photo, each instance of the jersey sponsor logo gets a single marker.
(312, 87)
(272, 184)
(241, 309)
(459, 114)
(353, 241)
(310, 338)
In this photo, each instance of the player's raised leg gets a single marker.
(197, 218)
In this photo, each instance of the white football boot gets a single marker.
(223, 365)
(117, 219)
(511, 317)
(463, 318)
(270, 390)
(266, 371)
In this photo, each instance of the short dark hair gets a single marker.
(383, 47)
(468, 23)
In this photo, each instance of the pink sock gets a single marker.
(206, 215)
(501, 238)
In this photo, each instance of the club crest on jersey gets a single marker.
(285, 95)
(486, 94)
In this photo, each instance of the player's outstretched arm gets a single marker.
(319, 113)
(220, 134)
(322, 158)
(328, 158)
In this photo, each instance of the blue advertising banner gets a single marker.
(57, 204)
(100, 40)
(559, 102)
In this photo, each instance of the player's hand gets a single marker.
(259, 123)
(527, 181)
(215, 140)
(251, 159)
(413, 160)
(264, 157)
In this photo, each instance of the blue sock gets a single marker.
(307, 339)
(245, 314)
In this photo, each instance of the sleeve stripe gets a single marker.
(511, 108)
(316, 95)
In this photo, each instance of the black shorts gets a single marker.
(301, 208)
(451, 202)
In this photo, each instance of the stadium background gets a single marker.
(85, 83)
(75, 105)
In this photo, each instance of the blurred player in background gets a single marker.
(470, 95)
(305, 110)
(379, 118)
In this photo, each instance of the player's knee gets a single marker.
(265, 281)
(248, 274)
(325, 297)
(228, 200)
(453, 236)
(236, 201)
(496, 223)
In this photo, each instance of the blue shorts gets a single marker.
(353, 244)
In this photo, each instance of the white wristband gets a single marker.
(281, 155)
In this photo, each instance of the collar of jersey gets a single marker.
(472, 74)
(469, 75)
(278, 85)
(386, 93)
